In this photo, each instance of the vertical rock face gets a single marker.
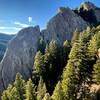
(61, 26)
(19, 55)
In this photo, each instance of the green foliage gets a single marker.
(58, 92)
(94, 45)
(77, 67)
(41, 90)
(35, 77)
(55, 59)
(19, 84)
(96, 72)
(47, 97)
(30, 91)
(39, 63)
(65, 53)
(11, 94)
(70, 78)
(38, 67)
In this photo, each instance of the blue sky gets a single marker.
(16, 14)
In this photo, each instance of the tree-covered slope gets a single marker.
(63, 72)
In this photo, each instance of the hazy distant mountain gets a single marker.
(4, 39)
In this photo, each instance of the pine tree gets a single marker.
(41, 45)
(19, 84)
(10, 94)
(39, 63)
(94, 45)
(6, 93)
(96, 72)
(58, 92)
(51, 62)
(66, 50)
(76, 69)
(41, 90)
(15, 94)
(35, 77)
(30, 91)
(47, 97)
(71, 80)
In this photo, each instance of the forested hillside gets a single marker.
(69, 71)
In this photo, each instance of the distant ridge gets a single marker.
(4, 39)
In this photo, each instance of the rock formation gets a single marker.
(19, 55)
(89, 12)
(62, 25)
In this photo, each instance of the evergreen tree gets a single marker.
(6, 93)
(39, 63)
(38, 67)
(14, 94)
(47, 97)
(41, 90)
(19, 84)
(35, 77)
(58, 92)
(66, 50)
(51, 63)
(96, 72)
(30, 91)
(70, 78)
(55, 58)
(41, 45)
(76, 69)
(94, 45)
(10, 94)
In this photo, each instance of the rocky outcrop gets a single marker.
(19, 55)
(87, 6)
(62, 25)
(89, 12)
